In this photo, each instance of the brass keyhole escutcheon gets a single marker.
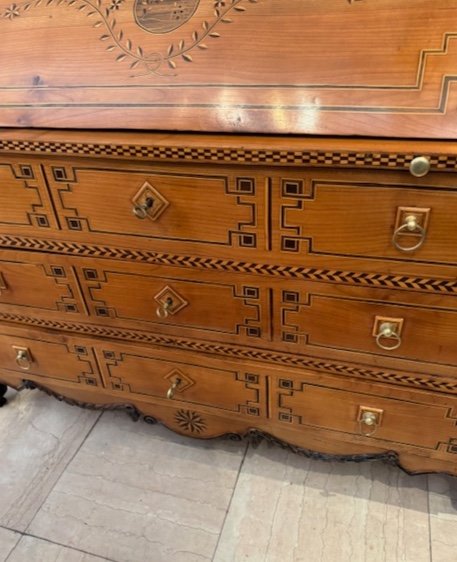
(164, 308)
(141, 211)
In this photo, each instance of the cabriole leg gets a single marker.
(3, 389)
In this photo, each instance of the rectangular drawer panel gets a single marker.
(196, 381)
(24, 201)
(44, 286)
(313, 323)
(48, 356)
(299, 401)
(189, 206)
(353, 215)
(183, 301)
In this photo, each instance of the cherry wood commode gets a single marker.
(236, 218)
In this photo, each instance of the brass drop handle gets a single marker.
(162, 310)
(411, 224)
(388, 330)
(172, 389)
(23, 358)
(141, 210)
(419, 166)
(369, 420)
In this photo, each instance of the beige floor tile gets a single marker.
(290, 509)
(443, 517)
(139, 493)
(38, 437)
(30, 549)
(8, 540)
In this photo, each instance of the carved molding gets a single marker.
(195, 424)
(129, 408)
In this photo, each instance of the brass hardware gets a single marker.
(171, 391)
(390, 329)
(369, 420)
(149, 203)
(3, 285)
(411, 224)
(170, 302)
(141, 210)
(419, 166)
(162, 310)
(23, 357)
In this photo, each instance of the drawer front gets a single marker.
(47, 356)
(182, 302)
(195, 381)
(183, 208)
(25, 282)
(24, 200)
(299, 401)
(359, 215)
(316, 323)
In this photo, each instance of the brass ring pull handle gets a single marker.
(419, 166)
(368, 420)
(410, 225)
(387, 331)
(172, 389)
(141, 211)
(23, 359)
(163, 308)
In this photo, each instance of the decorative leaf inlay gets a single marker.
(124, 49)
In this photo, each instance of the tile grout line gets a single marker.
(15, 546)
(25, 534)
(63, 471)
(230, 501)
(430, 543)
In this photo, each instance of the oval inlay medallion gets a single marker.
(162, 16)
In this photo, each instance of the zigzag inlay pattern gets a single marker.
(446, 286)
(419, 381)
(227, 154)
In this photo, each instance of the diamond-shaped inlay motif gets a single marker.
(185, 381)
(170, 300)
(151, 200)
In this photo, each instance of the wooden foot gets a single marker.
(3, 389)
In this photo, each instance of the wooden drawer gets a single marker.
(48, 356)
(300, 401)
(352, 217)
(180, 378)
(206, 305)
(197, 209)
(25, 281)
(321, 323)
(24, 200)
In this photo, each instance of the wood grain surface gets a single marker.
(341, 67)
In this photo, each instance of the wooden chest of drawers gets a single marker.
(254, 269)
(231, 297)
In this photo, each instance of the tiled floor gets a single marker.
(80, 486)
